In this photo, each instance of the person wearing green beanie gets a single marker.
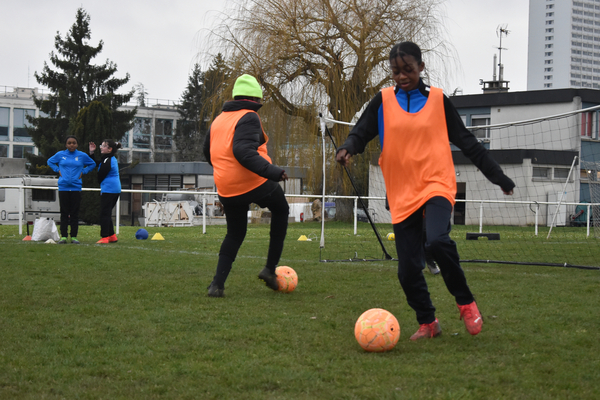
(236, 147)
(247, 86)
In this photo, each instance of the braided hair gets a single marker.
(406, 49)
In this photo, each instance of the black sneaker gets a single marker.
(269, 277)
(214, 291)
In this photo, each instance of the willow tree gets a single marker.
(327, 56)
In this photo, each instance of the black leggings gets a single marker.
(236, 215)
(409, 245)
(107, 203)
(69, 212)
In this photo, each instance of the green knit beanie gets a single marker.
(247, 85)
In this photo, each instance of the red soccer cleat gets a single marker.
(113, 238)
(427, 331)
(469, 313)
(102, 241)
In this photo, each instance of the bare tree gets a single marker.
(328, 52)
(328, 56)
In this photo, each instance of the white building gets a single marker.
(150, 139)
(564, 44)
(15, 104)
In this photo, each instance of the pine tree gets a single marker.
(200, 103)
(93, 123)
(191, 129)
(216, 80)
(73, 85)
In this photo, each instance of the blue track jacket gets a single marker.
(70, 165)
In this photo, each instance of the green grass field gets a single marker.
(131, 320)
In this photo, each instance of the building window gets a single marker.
(551, 22)
(549, 46)
(541, 172)
(588, 125)
(549, 6)
(4, 113)
(163, 134)
(480, 120)
(140, 156)
(549, 14)
(547, 77)
(149, 182)
(549, 37)
(20, 124)
(162, 157)
(125, 140)
(122, 157)
(561, 173)
(3, 150)
(548, 62)
(549, 30)
(549, 69)
(142, 131)
(547, 85)
(21, 151)
(548, 54)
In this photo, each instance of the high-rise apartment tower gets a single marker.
(564, 44)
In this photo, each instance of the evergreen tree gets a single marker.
(93, 123)
(216, 81)
(191, 129)
(74, 84)
(200, 103)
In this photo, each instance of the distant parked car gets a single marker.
(361, 216)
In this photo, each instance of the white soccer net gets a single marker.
(546, 221)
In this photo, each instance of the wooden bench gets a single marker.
(489, 236)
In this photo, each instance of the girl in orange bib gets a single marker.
(236, 147)
(415, 124)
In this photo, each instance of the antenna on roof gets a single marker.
(500, 31)
(497, 84)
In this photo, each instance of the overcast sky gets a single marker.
(157, 42)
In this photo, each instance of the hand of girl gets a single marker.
(342, 157)
(92, 147)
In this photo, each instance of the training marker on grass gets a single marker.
(157, 236)
(303, 238)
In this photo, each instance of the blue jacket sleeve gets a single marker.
(88, 163)
(53, 162)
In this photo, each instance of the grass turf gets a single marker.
(132, 320)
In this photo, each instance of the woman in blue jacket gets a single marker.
(70, 164)
(110, 187)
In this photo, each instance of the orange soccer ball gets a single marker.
(377, 330)
(286, 278)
